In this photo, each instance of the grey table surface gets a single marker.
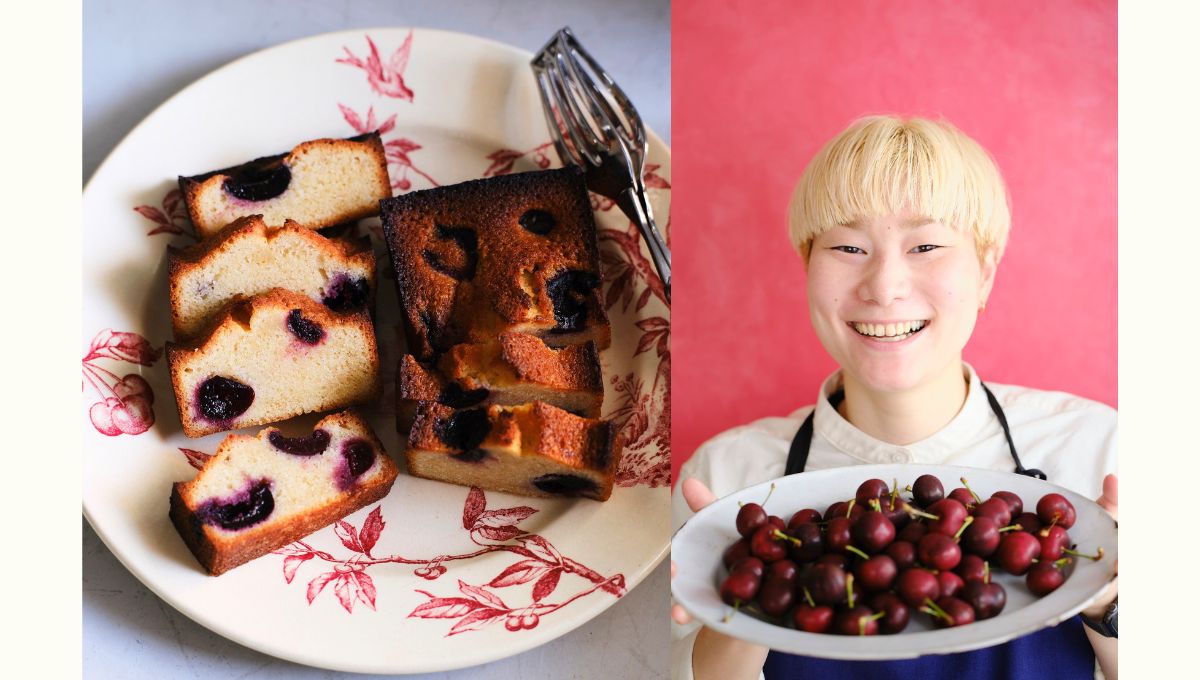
(137, 54)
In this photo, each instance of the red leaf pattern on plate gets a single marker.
(348, 534)
(521, 572)
(476, 620)
(503, 160)
(505, 517)
(546, 584)
(366, 588)
(652, 180)
(396, 150)
(172, 218)
(386, 80)
(538, 561)
(445, 608)
(126, 403)
(498, 533)
(473, 508)
(318, 584)
(481, 595)
(372, 527)
(291, 563)
(369, 125)
(195, 458)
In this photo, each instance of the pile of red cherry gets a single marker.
(865, 564)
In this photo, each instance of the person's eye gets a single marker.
(924, 248)
(853, 250)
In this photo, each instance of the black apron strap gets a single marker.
(1012, 448)
(802, 442)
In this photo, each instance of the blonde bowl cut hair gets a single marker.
(887, 165)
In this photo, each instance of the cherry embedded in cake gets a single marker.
(274, 356)
(319, 183)
(513, 369)
(516, 253)
(257, 494)
(532, 450)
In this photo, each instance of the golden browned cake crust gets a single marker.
(253, 496)
(248, 257)
(515, 253)
(533, 449)
(319, 183)
(510, 370)
(272, 357)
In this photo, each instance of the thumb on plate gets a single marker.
(697, 494)
(1108, 499)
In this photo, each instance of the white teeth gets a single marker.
(889, 332)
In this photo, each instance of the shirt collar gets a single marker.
(974, 419)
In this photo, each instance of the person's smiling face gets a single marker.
(894, 299)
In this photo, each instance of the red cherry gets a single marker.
(1045, 577)
(938, 551)
(1054, 540)
(895, 612)
(1015, 506)
(1017, 551)
(949, 583)
(810, 619)
(1054, 508)
(917, 585)
(987, 599)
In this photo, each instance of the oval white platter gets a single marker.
(698, 546)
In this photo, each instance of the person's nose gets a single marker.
(886, 279)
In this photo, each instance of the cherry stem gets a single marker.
(970, 490)
(849, 507)
(858, 552)
(875, 505)
(1095, 558)
(732, 611)
(934, 610)
(808, 598)
(769, 494)
(850, 590)
(963, 528)
(913, 512)
(895, 491)
(987, 573)
(1011, 527)
(780, 536)
(864, 620)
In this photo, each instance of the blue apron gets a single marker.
(1059, 653)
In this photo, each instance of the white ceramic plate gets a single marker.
(699, 544)
(450, 577)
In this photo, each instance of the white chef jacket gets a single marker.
(1072, 439)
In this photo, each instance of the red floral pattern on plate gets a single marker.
(126, 403)
(396, 150)
(171, 218)
(386, 80)
(494, 531)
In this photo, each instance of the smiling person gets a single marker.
(902, 224)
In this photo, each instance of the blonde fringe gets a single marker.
(886, 165)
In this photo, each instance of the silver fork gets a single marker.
(597, 128)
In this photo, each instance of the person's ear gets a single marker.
(987, 263)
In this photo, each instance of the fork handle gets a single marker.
(636, 206)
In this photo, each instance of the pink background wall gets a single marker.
(760, 87)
